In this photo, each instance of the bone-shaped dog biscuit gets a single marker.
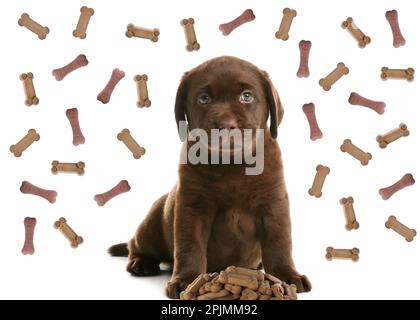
(27, 22)
(73, 116)
(29, 89)
(68, 232)
(121, 187)
(248, 294)
(28, 246)
(290, 291)
(29, 188)
(257, 274)
(190, 35)
(304, 48)
(401, 229)
(85, 15)
(393, 135)
(351, 222)
(105, 95)
(357, 99)
(68, 167)
(245, 17)
(327, 82)
(406, 181)
(214, 295)
(234, 289)
(138, 32)
(239, 280)
(18, 148)
(407, 74)
(344, 254)
(398, 38)
(78, 62)
(286, 22)
(321, 174)
(278, 290)
(361, 38)
(355, 152)
(192, 290)
(309, 110)
(142, 93)
(131, 144)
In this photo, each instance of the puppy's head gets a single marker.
(228, 93)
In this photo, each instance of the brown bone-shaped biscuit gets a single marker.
(309, 110)
(26, 21)
(286, 22)
(191, 291)
(392, 17)
(334, 76)
(18, 148)
(73, 116)
(257, 274)
(190, 35)
(131, 144)
(248, 294)
(29, 188)
(138, 32)
(361, 38)
(406, 181)
(401, 229)
(407, 74)
(393, 135)
(67, 167)
(214, 295)
(239, 280)
(357, 99)
(68, 232)
(85, 15)
(345, 254)
(105, 95)
(28, 247)
(321, 174)
(121, 187)
(351, 149)
(78, 62)
(29, 89)
(142, 93)
(351, 222)
(245, 17)
(304, 48)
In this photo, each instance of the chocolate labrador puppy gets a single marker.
(217, 215)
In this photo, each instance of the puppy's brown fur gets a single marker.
(217, 216)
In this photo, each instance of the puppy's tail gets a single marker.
(118, 250)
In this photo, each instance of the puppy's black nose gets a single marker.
(228, 124)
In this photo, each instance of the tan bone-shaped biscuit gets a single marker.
(193, 288)
(245, 17)
(304, 48)
(85, 15)
(73, 116)
(351, 222)
(407, 74)
(392, 135)
(406, 181)
(239, 280)
(142, 92)
(68, 232)
(257, 274)
(355, 152)
(343, 254)
(398, 38)
(29, 188)
(27, 22)
(68, 167)
(286, 23)
(190, 35)
(121, 187)
(28, 247)
(401, 229)
(291, 292)
(360, 37)
(318, 183)
(29, 89)
(234, 289)
(138, 32)
(248, 294)
(131, 144)
(214, 295)
(18, 148)
(327, 82)
(229, 297)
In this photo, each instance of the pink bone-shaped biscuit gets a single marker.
(309, 110)
(28, 247)
(28, 188)
(406, 181)
(77, 63)
(121, 187)
(105, 95)
(245, 17)
(304, 47)
(357, 99)
(392, 17)
(73, 116)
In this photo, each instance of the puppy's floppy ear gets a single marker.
(274, 104)
(181, 103)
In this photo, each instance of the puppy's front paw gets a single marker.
(142, 266)
(290, 275)
(175, 287)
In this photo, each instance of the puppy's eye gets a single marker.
(204, 98)
(246, 97)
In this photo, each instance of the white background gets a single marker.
(388, 266)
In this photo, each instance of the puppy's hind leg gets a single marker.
(148, 248)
